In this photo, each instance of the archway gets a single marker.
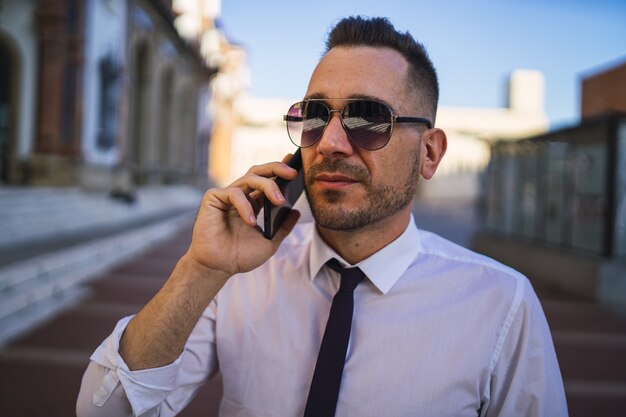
(140, 83)
(165, 118)
(8, 108)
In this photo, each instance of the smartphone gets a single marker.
(274, 216)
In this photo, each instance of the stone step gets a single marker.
(43, 213)
(54, 375)
(573, 315)
(41, 382)
(25, 284)
(89, 322)
(591, 356)
(125, 289)
(595, 398)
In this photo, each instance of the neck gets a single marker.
(356, 245)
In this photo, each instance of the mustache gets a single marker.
(338, 166)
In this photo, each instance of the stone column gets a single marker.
(60, 32)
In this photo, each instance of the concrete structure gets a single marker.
(18, 85)
(52, 240)
(105, 94)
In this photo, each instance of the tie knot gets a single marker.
(350, 277)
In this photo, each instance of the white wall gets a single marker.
(105, 33)
(262, 137)
(17, 21)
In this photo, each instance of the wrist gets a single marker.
(196, 269)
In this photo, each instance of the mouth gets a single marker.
(334, 181)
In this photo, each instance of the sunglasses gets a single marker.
(368, 123)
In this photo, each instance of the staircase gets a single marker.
(53, 239)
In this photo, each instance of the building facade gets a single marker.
(100, 93)
(604, 91)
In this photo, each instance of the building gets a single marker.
(604, 91)
(261, 134)
(555, 204)
(101, 94)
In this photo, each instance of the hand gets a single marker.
(226, 237)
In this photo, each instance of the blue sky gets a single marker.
(473, 44)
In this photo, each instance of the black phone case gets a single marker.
(270, 227)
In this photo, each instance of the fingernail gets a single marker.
(278, 195)
(252, 219)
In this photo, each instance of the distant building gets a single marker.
(604, 91)
(199, 20)
(227, 87)
(261, 134)
(100, 94)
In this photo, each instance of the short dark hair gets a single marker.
(379, 32)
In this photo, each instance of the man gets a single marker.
(436, 330)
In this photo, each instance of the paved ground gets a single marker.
(50, 360)
(40, 373)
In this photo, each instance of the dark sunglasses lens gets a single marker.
(306, 121)
(368, 123)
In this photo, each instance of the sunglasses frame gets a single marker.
(394, 119)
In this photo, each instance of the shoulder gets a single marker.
(455, 264)
(435, 246)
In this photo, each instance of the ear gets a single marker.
(434, 145)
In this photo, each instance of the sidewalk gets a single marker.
(40, 372)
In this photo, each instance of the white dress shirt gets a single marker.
(437, 331)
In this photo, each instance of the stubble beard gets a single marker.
(380, 201)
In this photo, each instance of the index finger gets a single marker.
(286, 158)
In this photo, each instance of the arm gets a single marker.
(526, 380)
(225, 242)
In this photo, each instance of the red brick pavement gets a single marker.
(41, 372)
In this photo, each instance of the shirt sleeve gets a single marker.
(110, 388)
(526, 379)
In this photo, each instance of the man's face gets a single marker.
(349, 187)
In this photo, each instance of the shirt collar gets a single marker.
(383, 268)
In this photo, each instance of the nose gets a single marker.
(334, 139)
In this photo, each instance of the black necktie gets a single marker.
(324, 389)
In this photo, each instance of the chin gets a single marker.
(338, 217)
